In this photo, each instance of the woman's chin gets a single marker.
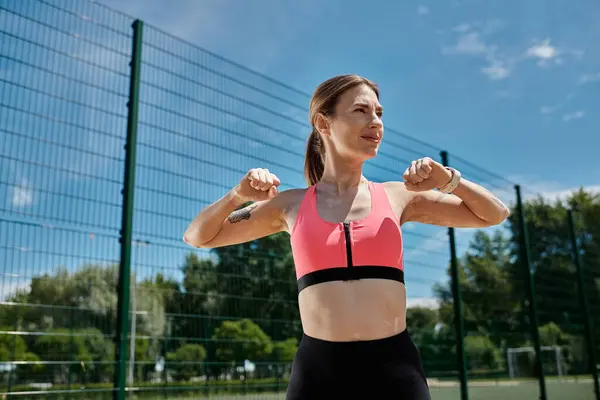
(370, 152)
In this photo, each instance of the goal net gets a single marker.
(521, 361)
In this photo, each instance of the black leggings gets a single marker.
(387, 368)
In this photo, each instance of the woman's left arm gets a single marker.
(468, 206)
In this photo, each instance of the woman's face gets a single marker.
(356, 130)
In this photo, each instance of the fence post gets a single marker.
(583, 303)
(526, 257)
(457, 302)
(127, 216)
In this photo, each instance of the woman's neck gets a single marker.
(341, 175)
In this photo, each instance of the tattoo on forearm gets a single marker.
(241, 215)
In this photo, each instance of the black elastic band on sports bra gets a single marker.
(350, 274)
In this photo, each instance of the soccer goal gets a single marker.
(520, 361)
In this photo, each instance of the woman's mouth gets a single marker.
(373, 139)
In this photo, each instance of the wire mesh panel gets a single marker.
(498, 331)
(587, 231)
(497, 296)
(63, 85)
(221, 321)
(561, 314)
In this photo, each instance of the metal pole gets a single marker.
(526, 257)
(132, 334)
(583, 303)
(127, 216)
(457, 302)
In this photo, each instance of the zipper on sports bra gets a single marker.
(348, 244)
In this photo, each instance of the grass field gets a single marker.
(565, 389)
(568, 389)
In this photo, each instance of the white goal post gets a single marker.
(553, 353)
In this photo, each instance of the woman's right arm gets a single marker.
(223, 223)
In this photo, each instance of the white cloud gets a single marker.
(547, 109)
(22, 195)
(422, 10)
(467, 43)
(588, 78)
(464, 27)
(542, 51)
(496, 71)
(472, 42)
(486, 28)
(550, 109)
(562, 194)
(11, 284)
(493, 26)
(426, 302)
(532, 187)
(547, 54)
(574, 115)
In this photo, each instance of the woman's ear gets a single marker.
(322, 124)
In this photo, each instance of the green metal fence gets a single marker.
(114, 135)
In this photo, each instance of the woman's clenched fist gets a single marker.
(258, 184)
(426, 174)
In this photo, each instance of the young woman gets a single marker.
(346, 239)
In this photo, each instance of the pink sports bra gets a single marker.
(367, 248)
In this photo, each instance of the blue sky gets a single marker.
(480, 79)
(509, 87)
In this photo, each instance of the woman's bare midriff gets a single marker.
(365, 309)
(342, 311)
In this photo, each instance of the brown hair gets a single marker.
(324, 101)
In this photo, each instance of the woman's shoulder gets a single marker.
(398, 195)
(290, 198)
(395, 188)
(295, 193)
(289, 204)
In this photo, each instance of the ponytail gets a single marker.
(313, 161)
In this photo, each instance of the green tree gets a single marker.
(187, 361)
(200, 299)
(482, 354)
(254, 280)
(284, 350)
(552, 260)
(75, 312)
(14, 348)
(241, 340)
(282, 354)
(486, 285)
(421, 318)
(64, 345)
(432, 338)
(493, 284)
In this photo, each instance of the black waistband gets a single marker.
(365, 352)
(389, 343)
(351, 274)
